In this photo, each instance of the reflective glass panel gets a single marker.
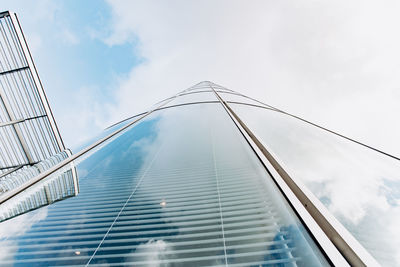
(222, 90)
(205, 85)
(204, 89)
(161, 103)
(238, 98)
(104, 133)
(359, 186)
(194, 97)
(180, 188)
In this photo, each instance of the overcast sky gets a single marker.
(336, 63)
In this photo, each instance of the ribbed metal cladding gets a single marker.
(27, 127)
(181, 188)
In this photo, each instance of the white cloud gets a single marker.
(17, 227)
(152, 252)
(330, 62)
(30, 14)
(85, 116)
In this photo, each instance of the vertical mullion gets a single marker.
(219, 195)
(354, 254)
(126, 203)
(15, 127)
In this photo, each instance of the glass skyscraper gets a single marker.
(210, 177)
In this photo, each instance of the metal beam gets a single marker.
(8, 123)
(16, 128)
(17, 166)
(11, 171)
(11, 122)
(4, 14)
(14, 70)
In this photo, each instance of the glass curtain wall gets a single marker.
(181, 187)
(358, 186)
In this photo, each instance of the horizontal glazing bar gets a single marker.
(14, 70)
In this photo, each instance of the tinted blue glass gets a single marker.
(104, 133)
(181, 188)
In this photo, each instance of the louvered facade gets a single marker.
(28, 131)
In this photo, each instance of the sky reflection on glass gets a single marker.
(238, 98)
(194, 97)
(359, 186)
(181, 187)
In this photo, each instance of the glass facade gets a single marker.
(233, 97)
(184, 187)
(181, 187)
(359, 186)
(202, 96)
